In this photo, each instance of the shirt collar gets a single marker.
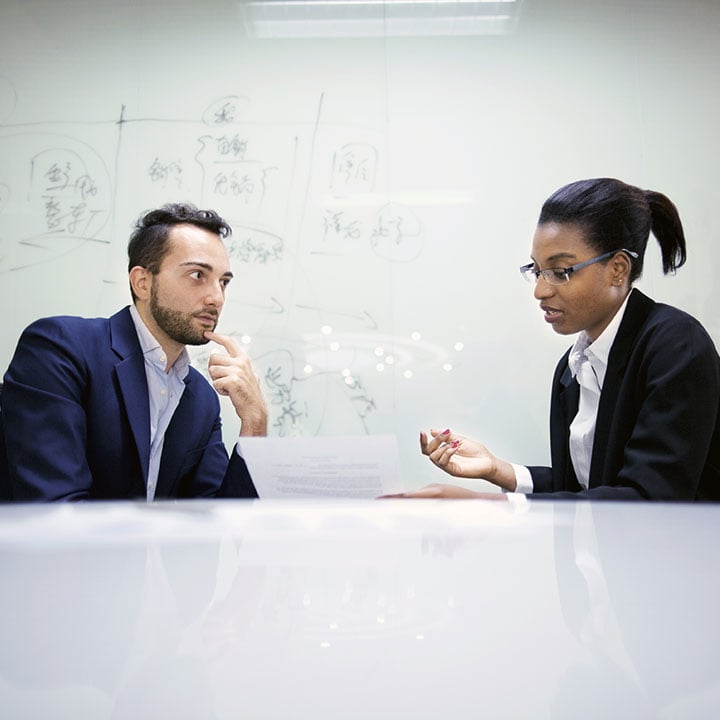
(597, 352)
(152, 351)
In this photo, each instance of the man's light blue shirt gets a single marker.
(165, 388)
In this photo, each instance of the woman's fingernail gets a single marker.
(446, 432)
(455, 443)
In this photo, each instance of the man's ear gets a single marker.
(141, 282)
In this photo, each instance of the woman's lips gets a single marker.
(551, 314)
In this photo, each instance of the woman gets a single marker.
(634, 403)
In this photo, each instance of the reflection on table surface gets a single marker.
(385, 609)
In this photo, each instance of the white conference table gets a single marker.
(359, 609)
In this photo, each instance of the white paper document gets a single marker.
(363, 466)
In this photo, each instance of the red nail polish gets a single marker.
(455, 443)
(446, 432)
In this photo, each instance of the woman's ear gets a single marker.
(141, 282)
(620, 265)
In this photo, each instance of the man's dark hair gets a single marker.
(149, 242)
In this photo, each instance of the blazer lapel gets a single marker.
(130, 372)
(638, 308)
(568, 401)
(177, 441)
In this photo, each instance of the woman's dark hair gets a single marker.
(149, 242)
(614, 215)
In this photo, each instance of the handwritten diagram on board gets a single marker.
(314, 242)
(64, 190)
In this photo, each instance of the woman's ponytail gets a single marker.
(668, 230)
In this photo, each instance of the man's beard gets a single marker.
(178, 325)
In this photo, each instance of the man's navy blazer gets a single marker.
(657, 434)
(75, 420)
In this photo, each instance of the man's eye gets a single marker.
(196, 274)
(558, 274)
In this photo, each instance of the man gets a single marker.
(109, 408)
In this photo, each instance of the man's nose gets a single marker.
(216, 296)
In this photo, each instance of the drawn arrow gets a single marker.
(276, 308)
(367, 319)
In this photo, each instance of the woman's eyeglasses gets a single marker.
(560, 276)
